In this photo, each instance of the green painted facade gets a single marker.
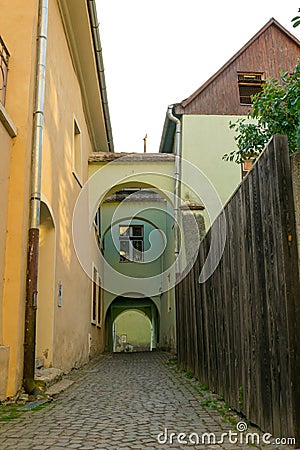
(205, 139)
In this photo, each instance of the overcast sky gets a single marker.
(159, 52)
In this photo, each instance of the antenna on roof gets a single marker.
(145, 142)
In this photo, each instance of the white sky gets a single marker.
(159, 52)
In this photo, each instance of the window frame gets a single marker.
(129, 239)
(249, 80)
(94, 297)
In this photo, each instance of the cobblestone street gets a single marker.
(125, 401)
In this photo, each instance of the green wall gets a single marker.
(136, 327)
(205, 139)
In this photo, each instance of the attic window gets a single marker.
(250, 83)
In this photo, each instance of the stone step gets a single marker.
(59, 387)
(39, 363)
(46, 377)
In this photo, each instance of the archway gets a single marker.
(45, 310)
(123, 304)
(132, 332)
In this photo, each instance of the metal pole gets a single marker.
(35, 202)
(145, 143)
(177, 176)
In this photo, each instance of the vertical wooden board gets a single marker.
(290, 258)
(223, 371)
(262, 307)
(255, 295)
(195, 328)
(197, 323)
(238, 324)
(228, 311)
(221, 343)
(270, 232)
(232, 397)
(189, 324)
(245, 303)
(279, 165)
(204, 345)
(206, 311)
(180, 325)
(242, 302)
(215, 322)
(185, 311)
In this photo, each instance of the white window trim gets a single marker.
(99, 298)
(99, 310)
(95, 276)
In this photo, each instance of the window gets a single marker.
(99, 304)
(77, 152)
(94, 296)
(131, 243)
(4, 57)
(250, 83)
(97, 225)
(96, 312)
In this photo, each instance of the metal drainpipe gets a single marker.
(35, 202)
(177, 177)
(100, 69)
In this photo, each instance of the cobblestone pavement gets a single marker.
(125, 401)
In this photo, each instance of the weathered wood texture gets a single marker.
(239, 331)
(270, 51)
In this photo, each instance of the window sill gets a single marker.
(7, 122)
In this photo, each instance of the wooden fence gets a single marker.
(239, 332)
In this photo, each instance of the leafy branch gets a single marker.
(296, 20)
(275, 110)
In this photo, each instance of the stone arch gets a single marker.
(135, 326)
(125, 303)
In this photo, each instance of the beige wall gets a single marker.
(63, 341)
(61, 188)
(5, 150)
(20, 43)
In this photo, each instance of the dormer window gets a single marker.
(250, 83)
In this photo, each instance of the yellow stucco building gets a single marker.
(54, 99)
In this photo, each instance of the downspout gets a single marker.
(35, 202)
(100, 69)
(177, 178)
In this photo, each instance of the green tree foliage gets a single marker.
(275, 110)
(296, 20)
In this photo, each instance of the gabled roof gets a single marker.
(271, 22)
(198, 102)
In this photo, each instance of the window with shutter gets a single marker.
(250, 83)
